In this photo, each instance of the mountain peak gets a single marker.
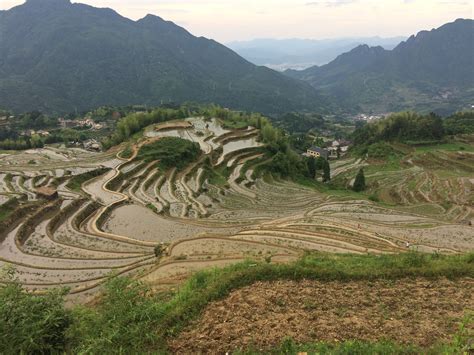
(365, 49)
(49, 2)
(150, 17)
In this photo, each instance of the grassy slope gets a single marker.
(144, 323)
(8, 208)
(75, 183)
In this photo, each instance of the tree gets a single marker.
(359, 183)
(159, 250)
(326, 171)
(311, 165)
(318, 141)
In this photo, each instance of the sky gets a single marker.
(231, 20)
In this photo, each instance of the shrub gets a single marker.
(31, 323)
(380, 150)
(374, 198)
(171, 152)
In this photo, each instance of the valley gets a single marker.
(111, 213)
(163, 193)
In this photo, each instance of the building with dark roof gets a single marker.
(317, 152)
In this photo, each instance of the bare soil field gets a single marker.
(407, 311)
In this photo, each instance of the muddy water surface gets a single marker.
(141, 223)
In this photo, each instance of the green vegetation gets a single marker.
(174, 68)
(460, 123)
(32, 324)
(7, 208)
(425, 132)
(401, 127)
(380, 150)
(152, 207)
(402, 132)
(159, 250)
(459, 346)
(75, 183)
(127, 153)
(23, 143)
(453, 146)
(135, 122)
(134, 320)
(359, 183)
(170, 152)
(282, 159)
(427, 72)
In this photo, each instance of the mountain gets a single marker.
(298, 53)
(433, 70)
(57, 56)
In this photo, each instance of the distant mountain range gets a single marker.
(282, 54)
(433, 70)
(58, 57)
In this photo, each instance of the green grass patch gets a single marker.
(390, 163)
(7, 208)
(448, 147)
(460, 345)
(127, 152)
(217, 176)
(152, 207)
(76, 182)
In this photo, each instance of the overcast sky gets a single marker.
(228, 20)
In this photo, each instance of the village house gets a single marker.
(92, 145)
(338, 148)
(42, 133)
(316, 152)
(66, 123)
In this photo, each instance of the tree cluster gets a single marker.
(460, 123)
(135, 122)
(401, 127)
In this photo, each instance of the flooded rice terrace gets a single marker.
(64, 228)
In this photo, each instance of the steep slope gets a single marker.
(432, 70)
(302, 53)
(58, 56)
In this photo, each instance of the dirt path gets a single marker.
(417, 311)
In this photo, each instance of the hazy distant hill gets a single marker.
(302, 53)
(58, 56)
(433, 70)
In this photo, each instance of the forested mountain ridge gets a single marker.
(432, 69)
(297, 53)
(59, 57)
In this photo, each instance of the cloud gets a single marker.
(454, 2)
(330, 2)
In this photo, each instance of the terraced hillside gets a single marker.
(111, 213)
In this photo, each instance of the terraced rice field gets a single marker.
(114, 222)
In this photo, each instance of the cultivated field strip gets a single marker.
(112, 222)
